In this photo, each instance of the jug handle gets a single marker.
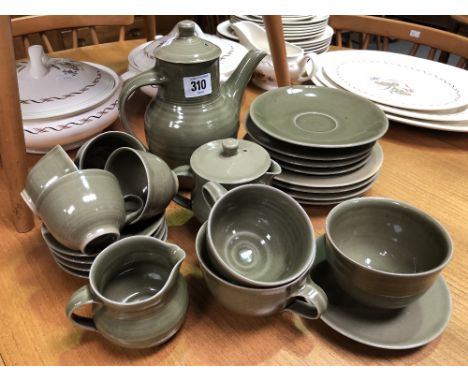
(309, 301)
(180, 199)
(81, 297)
(314, 59)
(150, 77)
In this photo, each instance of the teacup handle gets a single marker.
(212, 192)
(310, 301)
(150, 77)
(133, 206)
(180, 199)
(81, 297)
(313, 57)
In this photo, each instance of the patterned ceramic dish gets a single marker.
(399, 80)
(64, 102)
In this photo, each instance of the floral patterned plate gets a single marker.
(398, 80)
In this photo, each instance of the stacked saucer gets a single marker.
(78, 264)
(311, 33)
(324, 139)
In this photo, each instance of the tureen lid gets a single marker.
(187, 47)
(51, 87)
(230, 161)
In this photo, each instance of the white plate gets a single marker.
(398, 80)
(43, 134)
(461, 127)
(371, 168)
(436, 120)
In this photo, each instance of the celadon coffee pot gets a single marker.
(191, 107)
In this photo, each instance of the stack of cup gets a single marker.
(114, 189)
(256, 251)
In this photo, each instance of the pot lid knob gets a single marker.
(37, 61)
(186, 29)
(230, 147)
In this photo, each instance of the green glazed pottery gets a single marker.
(301, 296)
(417, 324)
(230, 162)
(383, 252)
(139, 298)
(146, 176)
(53, 165)
(95, 152)
(318, 117)
(323, 154)
(191, 107)
(83, 210)
(258, 236)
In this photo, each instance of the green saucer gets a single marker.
(318, 117)
(415, 325)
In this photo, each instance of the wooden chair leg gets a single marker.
(274, 29)
(150, 23)
(12, 146)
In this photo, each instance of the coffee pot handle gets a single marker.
(81, 297)
(150, 77)
(310, 301)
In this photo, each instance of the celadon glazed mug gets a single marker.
(301, 296)
(138, 296)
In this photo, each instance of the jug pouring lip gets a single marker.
(173, 253)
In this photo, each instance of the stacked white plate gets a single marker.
(311, 33)
(328, 153)
(78, 264)
(411, 90)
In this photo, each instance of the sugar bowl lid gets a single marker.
(230, 161)
(51, 87)
(187, 47)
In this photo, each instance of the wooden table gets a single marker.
(426, 168)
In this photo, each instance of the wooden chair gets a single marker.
(385, 29)
(27, 26)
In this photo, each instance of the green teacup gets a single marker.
(83, 210)
(385, 253)
(95, 152)
(301, 295)
(257, 235)
(139, 298)
(51, 167)
(145, 175)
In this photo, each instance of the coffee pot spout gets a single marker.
(235, 86)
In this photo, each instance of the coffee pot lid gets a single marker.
(187, 47)
(230, 161)
(51, 87)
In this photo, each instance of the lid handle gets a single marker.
(186, 28)
(37, 61)
(230, 147)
